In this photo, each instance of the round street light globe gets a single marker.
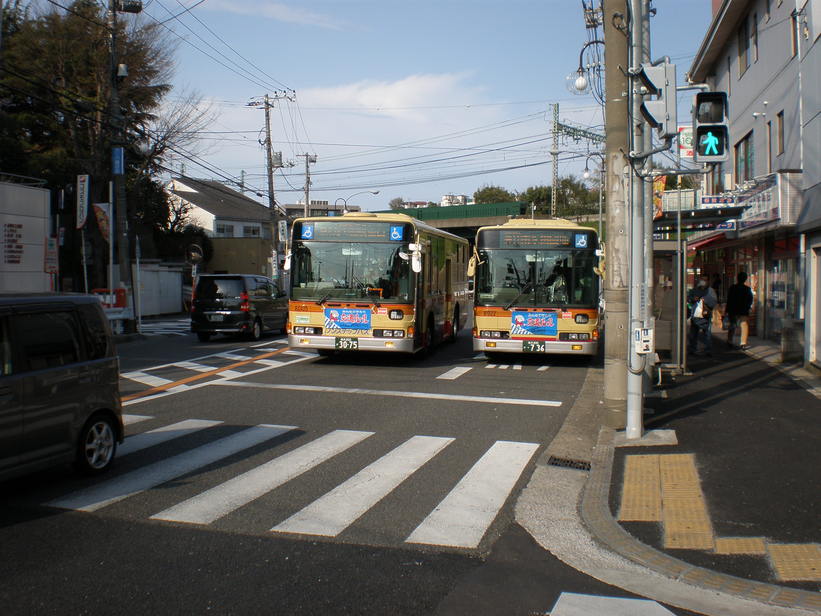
(581, 83)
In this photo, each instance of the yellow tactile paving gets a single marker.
(740, 545)
(796, 562)
(641, 490)
(684, 512)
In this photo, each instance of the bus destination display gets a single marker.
(354, 231)
(537, 239)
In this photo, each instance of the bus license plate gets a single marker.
(346, 344)
(534, 346)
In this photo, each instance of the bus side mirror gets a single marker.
(472, 267)
(287, 265)
(416, 263)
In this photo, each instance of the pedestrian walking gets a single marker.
(702, 301)
(739, 303)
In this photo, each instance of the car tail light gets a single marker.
(245, 306)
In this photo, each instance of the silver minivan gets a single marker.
(59, 384)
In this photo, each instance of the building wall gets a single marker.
(241, 256)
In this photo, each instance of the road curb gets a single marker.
(596, 517)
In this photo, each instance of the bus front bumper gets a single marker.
(328, 343)
(551, 346)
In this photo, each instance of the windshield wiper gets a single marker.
(324, 299)
(524, 290)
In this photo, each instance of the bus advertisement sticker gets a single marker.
(347, 319)
(533, 323)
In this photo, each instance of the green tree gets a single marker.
(574, 199)
(397, 203)
(538, 196)
(493, 194)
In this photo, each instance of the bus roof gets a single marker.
(374, 216)
(537, 223)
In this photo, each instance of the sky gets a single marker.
(414, 99)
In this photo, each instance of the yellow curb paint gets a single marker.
(741, 545)
(201, 375)
(641, 490)
(796, 562)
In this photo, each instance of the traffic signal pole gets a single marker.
(615, 16)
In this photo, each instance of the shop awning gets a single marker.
(706, 241)
(702, 218)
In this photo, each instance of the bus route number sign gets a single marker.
(346, 344)
(534, 346)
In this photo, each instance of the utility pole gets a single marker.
(309, 158)
(117, 147)
(555, 153)
(271, 162)
(617, 255)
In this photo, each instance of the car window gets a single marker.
(6, 365)
(96, 334)
(47, 339)
(219, 288)
(264, 288)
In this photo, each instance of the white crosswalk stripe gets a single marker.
(119, 488)
(339, 508)
(461, 519)
(233, 494)
(130, 420)
(148, 439)
(454, 373)
(465, 514)
(145, 378)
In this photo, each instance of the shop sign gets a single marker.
(727, 225)
(763, 204)
(711, 201)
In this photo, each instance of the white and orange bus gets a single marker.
(374, 282)
(536, 288)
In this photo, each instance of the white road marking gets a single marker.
(543, 368)
(233, 356)
(230, 374)
(389, 393)
(490, 366)
(145, 379)
(130, 420)
(214, 382)
(119, 488)
(331, 514)
(190, 365)
(574, 604)
(163, 434)
(233, 494)
(268, 362)
(503, 366)
(465, 514)
(517, 366)
(454, 373)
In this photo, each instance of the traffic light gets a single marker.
(711, 135)
(661, 112)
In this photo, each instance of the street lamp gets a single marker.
(586, 175)
(579, 81)
(345, 200)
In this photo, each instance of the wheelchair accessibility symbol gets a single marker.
(581, 240)
(307, 232)
(397, 233)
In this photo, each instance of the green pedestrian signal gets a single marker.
(711, 142)
(710, 129)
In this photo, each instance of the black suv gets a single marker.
(59, 384)
(242, 304)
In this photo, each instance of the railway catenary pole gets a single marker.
(617, 257)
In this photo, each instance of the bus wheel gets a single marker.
(454, 330)
(430, 338)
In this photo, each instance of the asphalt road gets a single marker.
(260, 480)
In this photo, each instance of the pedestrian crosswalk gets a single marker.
(460, 520)
(166, 327)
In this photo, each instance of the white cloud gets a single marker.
(274, 10)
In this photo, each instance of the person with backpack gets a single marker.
(739, 303)
(702, 300)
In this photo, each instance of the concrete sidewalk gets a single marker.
(716, 510)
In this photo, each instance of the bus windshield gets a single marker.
(351, 271)
(537, 278)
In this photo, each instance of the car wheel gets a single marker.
(203, 336)
(256, 330)
(96, 445)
